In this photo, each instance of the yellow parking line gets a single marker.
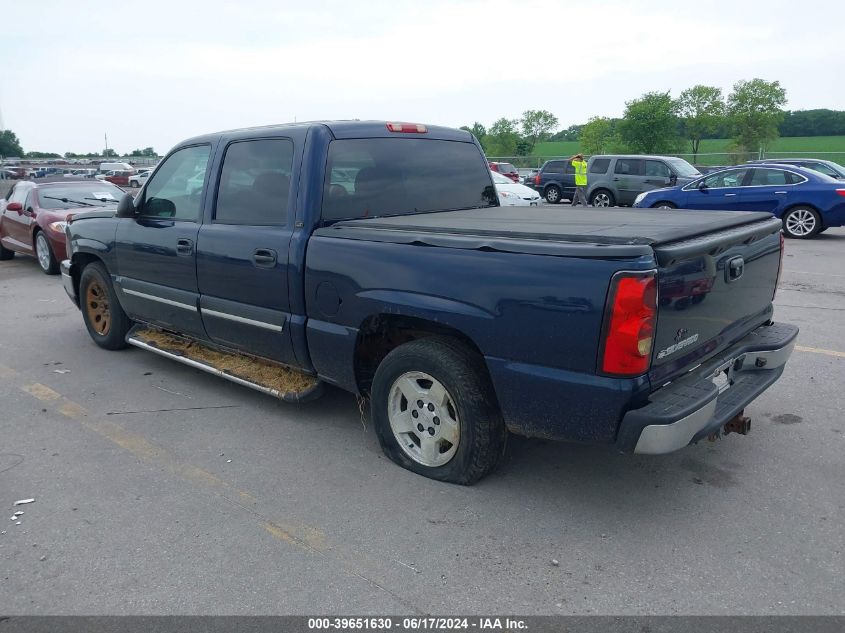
(7, 372)
(818, 350)
(42, 392)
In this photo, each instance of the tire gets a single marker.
(5, 254)
(44, 254)
(602, 198)
(458, 416)
(105, 319)
(801, 223)
(553, 194)
(664, 205)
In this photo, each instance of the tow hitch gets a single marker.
(738, 424)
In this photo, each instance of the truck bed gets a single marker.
(601, 227)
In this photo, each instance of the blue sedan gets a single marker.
(808, 202)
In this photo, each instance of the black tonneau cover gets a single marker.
(593, 231)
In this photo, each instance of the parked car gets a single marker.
(555, 180)
(460, 319)
(806, 201)
(138, 180)
(108, 166)
(120, 178)
(506, 169)
(826, 167)
(528, 178)
(33, 217)
(513, 194)
(618, 179)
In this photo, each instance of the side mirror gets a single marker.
(126, 207)
(673, 179)
(702, 186)
(14, 206)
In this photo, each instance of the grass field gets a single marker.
(819, 146)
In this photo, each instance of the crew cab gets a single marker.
(375, 257)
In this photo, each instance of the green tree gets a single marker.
(502, 137)
(702, 111)
(537, 125)
(109, 153)
(478, 131)
(42, 155)
(572, 133)
(754, 110)
(10, 145)
(650, 124)
(597, 136)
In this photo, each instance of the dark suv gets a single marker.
(555, 180)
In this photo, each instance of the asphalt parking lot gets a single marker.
(160, 489)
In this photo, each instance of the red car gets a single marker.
(33, 217)
(506, 169)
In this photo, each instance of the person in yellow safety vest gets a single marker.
(580, 166)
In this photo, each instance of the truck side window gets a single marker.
(657, 168)
(599, 166)
(175, 192)
(255, 183)
(629, 166)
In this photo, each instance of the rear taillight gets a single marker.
(537, 178)
(780, 266)
(841, 192)
(630, 317)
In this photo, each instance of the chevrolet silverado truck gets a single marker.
(375, 257)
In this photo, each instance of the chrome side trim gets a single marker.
(204, 367)
(240, 319)
(169, 302)
(657, 439)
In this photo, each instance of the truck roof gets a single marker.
(345, 130)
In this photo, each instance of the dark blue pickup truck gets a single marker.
(375, 257)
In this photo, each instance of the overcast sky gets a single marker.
(150, 73)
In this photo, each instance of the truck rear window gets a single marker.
(401, 176)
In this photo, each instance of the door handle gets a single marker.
(264, 257)
(615, 180)
(184, 246)
(782, 193)
(728, 195)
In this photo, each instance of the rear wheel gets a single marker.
(435, 412)
(801, 223)
(553, 194)
(48, 262)
(602, 198)
(105, 319)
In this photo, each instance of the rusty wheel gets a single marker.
(97, 306)
(104, 317)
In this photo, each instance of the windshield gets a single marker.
(683, 168)
(97, 194)
(499, 179)
(400, 176)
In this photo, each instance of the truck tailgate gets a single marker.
(712, 290)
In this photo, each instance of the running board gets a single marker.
(275, 380)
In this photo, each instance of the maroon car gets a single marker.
(33, 217)
(506, 169)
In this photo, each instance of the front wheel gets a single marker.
(801, 223)
(664, 205)
(105, 319)
(602, 198)
(46, 260)
(435, 412)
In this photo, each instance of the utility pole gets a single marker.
(106, 151)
